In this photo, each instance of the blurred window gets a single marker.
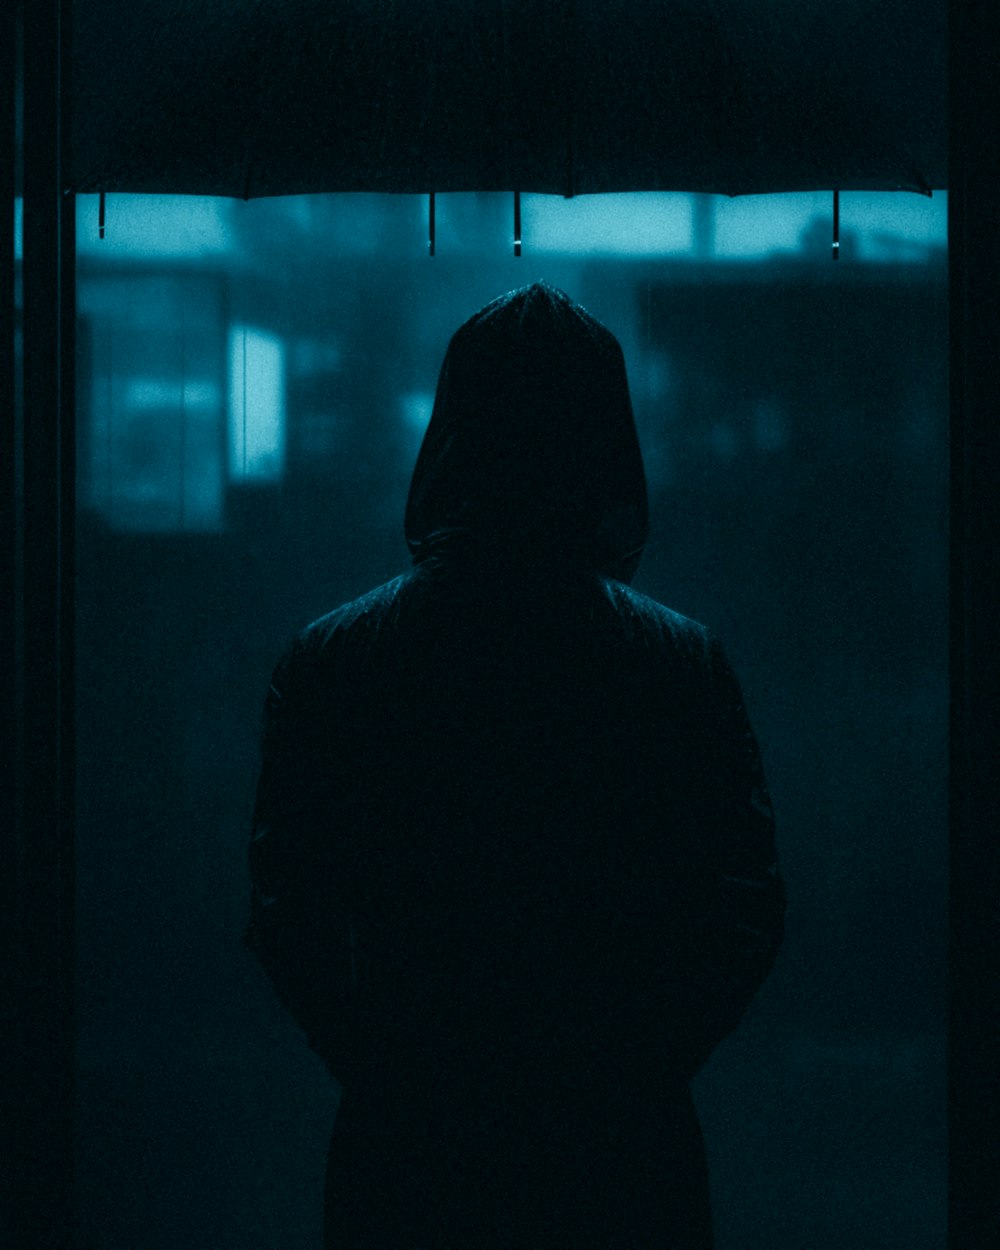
(253, 382)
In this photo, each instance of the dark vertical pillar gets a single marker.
(45, 877)
(8, 417)
(9, 771)
(974, 952)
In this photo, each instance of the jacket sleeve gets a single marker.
(738, 927)
(301, 928)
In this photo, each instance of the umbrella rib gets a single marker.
(253, 125)
(569, 14)
(247, 171)
(737, 79)
(252, 132)
(505, 79)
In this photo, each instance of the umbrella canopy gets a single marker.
(274, 97)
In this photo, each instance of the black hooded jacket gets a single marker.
(511, 827)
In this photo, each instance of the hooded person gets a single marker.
(513, 860)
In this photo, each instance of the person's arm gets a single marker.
(300, 929)
(737, 932)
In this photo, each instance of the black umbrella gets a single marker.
(239, 98)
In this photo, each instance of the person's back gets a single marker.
(513, 856)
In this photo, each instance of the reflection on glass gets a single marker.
(150, 401)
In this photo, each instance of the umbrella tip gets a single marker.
(836, 225)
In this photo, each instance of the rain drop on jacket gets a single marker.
(513, 858)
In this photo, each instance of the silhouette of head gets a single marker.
(531, 446)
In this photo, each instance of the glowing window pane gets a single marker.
(256, 405)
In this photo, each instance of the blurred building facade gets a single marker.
(252, 392)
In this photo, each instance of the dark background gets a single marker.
(793, 417)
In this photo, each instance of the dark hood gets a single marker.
(531, 447)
